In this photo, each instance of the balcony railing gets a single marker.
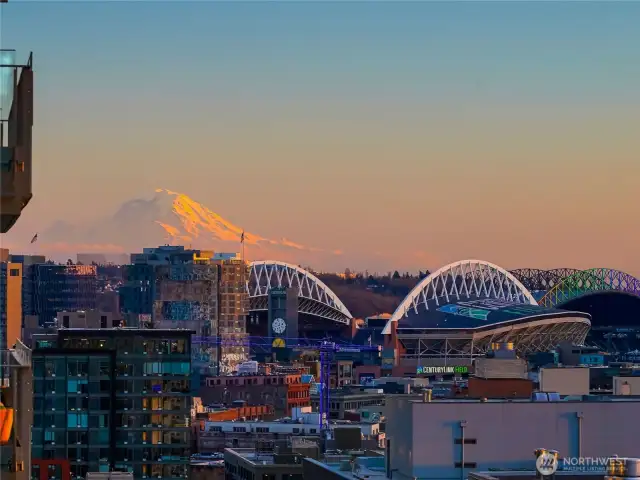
(18, 356)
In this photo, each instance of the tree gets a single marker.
(396, 275)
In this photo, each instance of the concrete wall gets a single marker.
(565, 381)
(633, 382)
(400, 430)
(499, 388)
(506, 434)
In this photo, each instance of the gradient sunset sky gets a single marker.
(406, 135)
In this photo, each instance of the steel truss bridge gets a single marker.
(564, 284)
(536, 280)
(314, 297)
(477, 280)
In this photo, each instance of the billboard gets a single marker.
(446, 370)
(366, 378)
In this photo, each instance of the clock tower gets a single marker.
(283, 313)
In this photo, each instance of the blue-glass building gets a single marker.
(50, 288)
(114, 400)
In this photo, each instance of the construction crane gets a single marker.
(326, 349)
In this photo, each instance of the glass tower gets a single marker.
(114, 400)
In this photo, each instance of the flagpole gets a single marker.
(242, 242)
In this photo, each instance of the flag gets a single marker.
(35, 238)
(242, 237)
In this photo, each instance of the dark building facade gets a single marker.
(50, 288)
(170, 287)
(114, 400)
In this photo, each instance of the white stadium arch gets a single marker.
(314, 296)
(462, 280)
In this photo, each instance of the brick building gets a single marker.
(284, 391)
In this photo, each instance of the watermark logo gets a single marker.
(585, 464)
(547, 464)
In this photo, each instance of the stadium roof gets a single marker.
(477, 313)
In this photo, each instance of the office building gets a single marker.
(347, 399)
(565, 380)
(16, 124)
(10, 304)
(16, 413)
(114, 400)
(263, 463)
(170, 287)
(284, 391)
(49, 289)
(215, 436)
(27, 260)
(450, 438)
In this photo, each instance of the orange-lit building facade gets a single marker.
(260, 412)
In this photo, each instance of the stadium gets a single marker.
(285, 291)
(460, 310)
(610, 296)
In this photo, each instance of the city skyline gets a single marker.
(404, 135)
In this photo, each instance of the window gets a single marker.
(76, 437)
(100, 437)
(77, 420)
(467, 441)
(77, 386)
(14, 272)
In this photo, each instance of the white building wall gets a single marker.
(423, 435)
(633, 387)
(564, 380)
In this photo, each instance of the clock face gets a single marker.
(279, 326)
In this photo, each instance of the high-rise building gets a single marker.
(16, 124)
(16, 413)
(170, 287)
(234, 306)
(10, 304)
(114, 400)
(50, 288)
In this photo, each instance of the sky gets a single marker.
(405, 135)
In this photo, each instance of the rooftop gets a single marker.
(570, 399)
(530, 475)
(478, 313)
(117, 331)
(256, 457)
(351, 468)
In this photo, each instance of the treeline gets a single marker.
(367, 294)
